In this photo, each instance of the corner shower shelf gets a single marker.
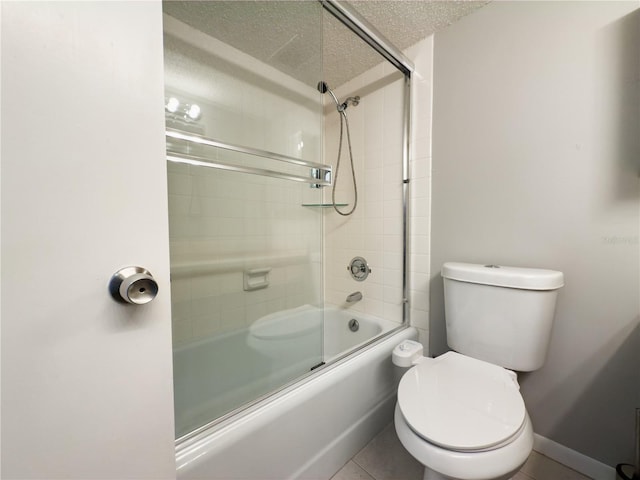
(319, 174)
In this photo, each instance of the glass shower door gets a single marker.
(244, 129)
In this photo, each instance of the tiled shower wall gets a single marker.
(224, 223)
(420, 191)
(374, 231)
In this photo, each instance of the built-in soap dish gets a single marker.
(256, 278)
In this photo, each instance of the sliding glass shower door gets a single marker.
(287, 158)
(244, 157)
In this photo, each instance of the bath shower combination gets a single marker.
(263, 340)
(344, 122)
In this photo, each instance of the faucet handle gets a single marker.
(359, 269)
(354, 297)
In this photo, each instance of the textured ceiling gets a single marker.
(284, 34)
(402, 22)
(305, 42)
(405, 22)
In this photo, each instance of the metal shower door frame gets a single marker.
(370, 35)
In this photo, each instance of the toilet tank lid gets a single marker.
(503, 276)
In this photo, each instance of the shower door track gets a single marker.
(367, 32)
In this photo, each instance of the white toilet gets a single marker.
(461, 414)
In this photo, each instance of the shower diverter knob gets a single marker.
(133, 285)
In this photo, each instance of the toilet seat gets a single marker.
(460, 403)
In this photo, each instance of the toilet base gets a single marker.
(431, 475)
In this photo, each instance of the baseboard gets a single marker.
(572, 459)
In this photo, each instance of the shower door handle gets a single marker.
(134, 285)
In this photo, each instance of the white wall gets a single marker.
(535, 163)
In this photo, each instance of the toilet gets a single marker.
(461, 414)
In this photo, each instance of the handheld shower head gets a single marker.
(324, 88)
(341, 107)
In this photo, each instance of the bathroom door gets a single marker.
(86, 382)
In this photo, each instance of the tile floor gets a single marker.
(384, 458)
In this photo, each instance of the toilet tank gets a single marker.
(502, 315)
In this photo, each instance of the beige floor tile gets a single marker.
(540, 467)
(384, 458)
(521, 476)
(352, 471)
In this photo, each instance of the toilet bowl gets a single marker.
(463, 419)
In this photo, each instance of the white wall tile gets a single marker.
(382, 211)
(232, 216)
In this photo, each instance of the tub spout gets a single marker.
(354, 297)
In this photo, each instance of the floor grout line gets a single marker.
(362, 466)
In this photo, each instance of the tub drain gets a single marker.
(354, 325)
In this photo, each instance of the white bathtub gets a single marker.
(307, 431)
(306, 329)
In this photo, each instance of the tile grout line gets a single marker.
(362, 466)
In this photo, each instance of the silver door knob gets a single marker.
(133, 285)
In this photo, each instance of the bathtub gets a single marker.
(309, 429)
(301, 330)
